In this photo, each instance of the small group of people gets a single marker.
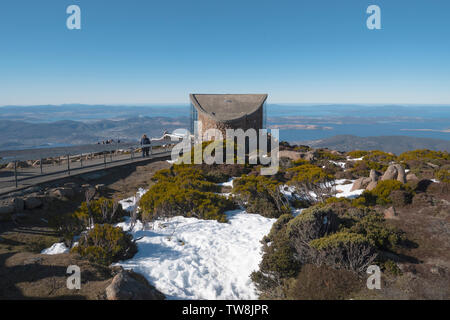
(146, 145)
(110, 141)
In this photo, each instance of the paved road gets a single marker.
(27, 177)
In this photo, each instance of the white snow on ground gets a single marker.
(344, 189)
(288, 191)
(128, 204)
(340, 164)
(188, 258)
(229, 183)
(354, 159)
(56, 248)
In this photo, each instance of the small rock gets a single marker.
(32, 203)
(100, 187)
(373, 175)
(390, 213)
(126, 287)
(19, 164)
(434, 166)
(401, 176)
(411, 177)
(309, 156)
(360, 183)
(436, 270)
(293, 155)
(62, 193)
(390, 174)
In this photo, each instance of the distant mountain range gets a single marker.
(335, 126)
(20, 134)
(395, 144)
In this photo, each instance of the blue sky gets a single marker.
(139, 52)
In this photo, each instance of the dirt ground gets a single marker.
(27, 274)
(425, 261)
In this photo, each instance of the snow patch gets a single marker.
(339, 164)
(189, 258)
(229, 183)
(354, 159)
(344, 189)
(56, 248)
(129, 204)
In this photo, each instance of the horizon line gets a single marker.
(152, 104)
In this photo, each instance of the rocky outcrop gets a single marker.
(390, 173)
(395, 172)
(34, 198)
(411, 177)
(360, 183)
(62, 192)
(293, 155)
(19, 164)
(127, 285)
(368, 183)
(309, 156)
(401, 175)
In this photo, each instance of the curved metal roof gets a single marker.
(228, 107)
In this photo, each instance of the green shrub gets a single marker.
(373, 228)
(322, 154)
(311, 183)
(361, 168)
(167, 199)
(443, 175)
(384, 189)
(424, 154)
(300, 162)
(366, 199)
(183, 190)
(337, 200)
(345, 250)
(356, 154)
(278, 226)
(260, 194)
(105, 244)
(312, 223)
(391, 267)
(278, 263)
(186, 176)
(101, 210)
(380, 157)
(218, 173)
(302, 148)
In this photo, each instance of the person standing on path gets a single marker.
(145, 143)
